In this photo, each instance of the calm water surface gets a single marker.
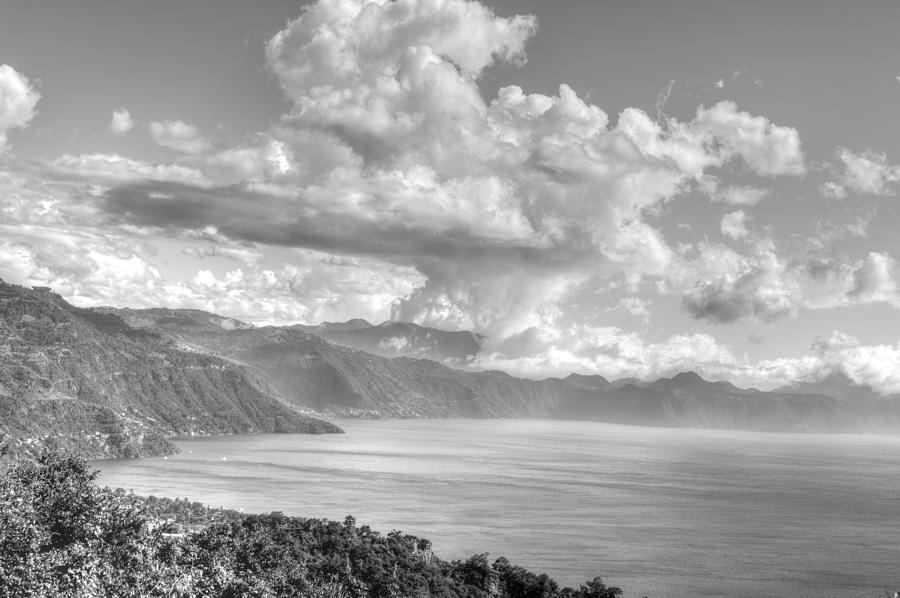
(659, 512)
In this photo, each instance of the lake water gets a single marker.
(657, 511)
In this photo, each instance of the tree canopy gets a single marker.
(61, 534)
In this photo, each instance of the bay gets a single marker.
(656, 511)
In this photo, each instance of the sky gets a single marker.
(621, 188)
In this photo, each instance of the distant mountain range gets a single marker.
(336, 380)
(119, 382)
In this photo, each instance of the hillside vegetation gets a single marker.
(86, 380)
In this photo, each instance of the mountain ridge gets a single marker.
(122, 381)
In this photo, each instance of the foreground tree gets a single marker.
(62, 535)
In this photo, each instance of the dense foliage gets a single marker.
(62, 535)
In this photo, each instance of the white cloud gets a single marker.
(615, 353)
(605, 350)
(768, 149)
(868, 172)
(315, 287)
(268, 160)
(121, 122)
(89, 269)
(716, 136)
(877, 366)
(108, 169)
(389, 150)
(734, 286)
(833, 190)
(489, 214)
(83, 266)
(354, 40)
(734, 225)
(18, 99)
(874, 280)
(179, 136)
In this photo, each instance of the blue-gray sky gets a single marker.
(624, 188)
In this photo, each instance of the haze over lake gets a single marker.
(657, 511)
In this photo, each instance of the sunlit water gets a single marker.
(659, 512)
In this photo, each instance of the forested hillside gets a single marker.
(84, 379)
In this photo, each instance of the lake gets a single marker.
(656, 511)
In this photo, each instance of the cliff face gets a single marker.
(84, 379)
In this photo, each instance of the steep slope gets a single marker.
(84, 379)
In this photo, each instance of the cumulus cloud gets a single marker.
(734, 225)
(876, 366)
(460, 211)
(77, 264)
(730, 298)
(738, 286)
(179, 136)
(349, 41)
(18, 99)
(265, 161)
(716, 136)
(121, 122)
(842, 282)
(313, 288)
(767, 149)
(874, 280)
(91, 269)
(390, 150)
(868, 173)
